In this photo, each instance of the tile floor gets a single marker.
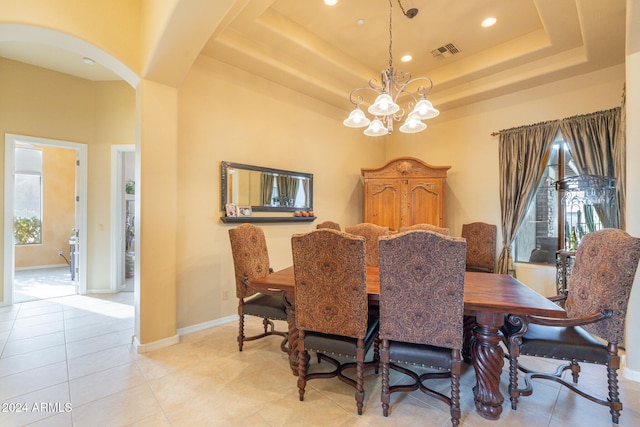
(74, 356)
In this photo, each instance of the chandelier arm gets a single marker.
(422, 91)
(355, 97)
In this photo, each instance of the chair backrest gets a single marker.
(428, 227)
(329, 224)
(371, 232)
(250, 256)
(331, 282)
(481, 246)
(602, 276)
(422, 288)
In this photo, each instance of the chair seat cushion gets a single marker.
(340, 345)
(420, 355)
(567, 343)
(269, 306)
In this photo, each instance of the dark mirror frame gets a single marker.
(223, 181)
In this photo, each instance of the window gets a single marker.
(537, 238)
(28, 196)
(582, 203)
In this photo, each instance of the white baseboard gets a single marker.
(155, 345)
(166, 342)
(100, 291)
(627, 372)
(41, 267)
(206, 325)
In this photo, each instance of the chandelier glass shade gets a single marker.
(394, 85)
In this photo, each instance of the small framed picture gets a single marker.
(244, 210)
(231, 209)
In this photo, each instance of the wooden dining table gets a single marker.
(487, 299)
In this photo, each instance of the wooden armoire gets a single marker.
(405, 191)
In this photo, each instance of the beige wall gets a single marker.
(58, 210)
(46, 104)
(226, 114)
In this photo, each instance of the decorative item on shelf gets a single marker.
(297, 213)
(130, 187)
(231, 210)
(244, 210)
(394, 83)
(311, 213)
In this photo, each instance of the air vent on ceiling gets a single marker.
(445, 51)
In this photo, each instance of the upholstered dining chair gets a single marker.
(251, 260)
(481, 246)
(421, 312)
(596, 303)
(331, 307)
(371, 232)
(428, 227)
(329, 224)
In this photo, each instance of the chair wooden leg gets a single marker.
(376, 355)
(360, 375)
(386, 395)
(456, 363)
(303, 359)
(575, 371)
(612, 379)
(241, 325)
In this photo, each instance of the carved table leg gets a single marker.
(488, 358)
(469, 326)
(293, 332)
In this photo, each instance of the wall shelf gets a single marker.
(241, 219)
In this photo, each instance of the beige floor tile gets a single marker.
(59, 420)
(156, 420)
(33, 359)
(20, 333)
(121, 409)
(104, 383)
(34, 379)
(40, 319)
(98, 343)
(99, 361)
(6, 325)
(57, 396)
(22, 346)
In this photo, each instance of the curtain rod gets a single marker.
(549, 121)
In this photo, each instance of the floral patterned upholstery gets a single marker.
(329, 224)
(428, 227)
(481, 246)
(596, 302)
(372, 232)
(332, 305)
(421, 310)
(251, 260)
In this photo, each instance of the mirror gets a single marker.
(266, 189)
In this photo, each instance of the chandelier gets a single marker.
(385, 108)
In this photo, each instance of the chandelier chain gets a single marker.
(391, 33)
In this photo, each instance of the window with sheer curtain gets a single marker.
(28, 196)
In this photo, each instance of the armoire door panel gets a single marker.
(424, 203)
(384, 203)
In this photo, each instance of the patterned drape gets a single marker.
(597, 144)
(266, 189)
(287, 189)
(523, 154)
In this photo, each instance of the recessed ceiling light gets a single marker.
(88, 61)
(406, 58)
(360, 21)
(489, 22)
(330, 2)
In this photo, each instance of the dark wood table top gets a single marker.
(498, 293)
